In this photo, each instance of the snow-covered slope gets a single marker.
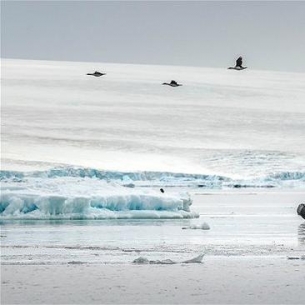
(222, 128)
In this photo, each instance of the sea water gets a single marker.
(248, 225)
(84, 158)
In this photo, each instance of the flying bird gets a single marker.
(173, 83)
(96, 74)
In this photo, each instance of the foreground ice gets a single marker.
(143, 260)
(87, 198)
(203, 226)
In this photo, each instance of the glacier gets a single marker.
(80, 147)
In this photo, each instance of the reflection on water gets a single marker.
(94, 222)
(301, 233)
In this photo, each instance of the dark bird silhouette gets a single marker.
(96, 74)
(173, 83)
(239, 64)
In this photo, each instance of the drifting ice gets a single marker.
(143, 261)
(86, 198)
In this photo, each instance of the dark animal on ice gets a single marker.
(301, 210)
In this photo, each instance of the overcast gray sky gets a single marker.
(269, 35)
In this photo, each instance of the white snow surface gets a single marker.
(223, 122)
(64, 131)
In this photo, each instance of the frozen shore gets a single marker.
(253, 254)
(217, 281)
